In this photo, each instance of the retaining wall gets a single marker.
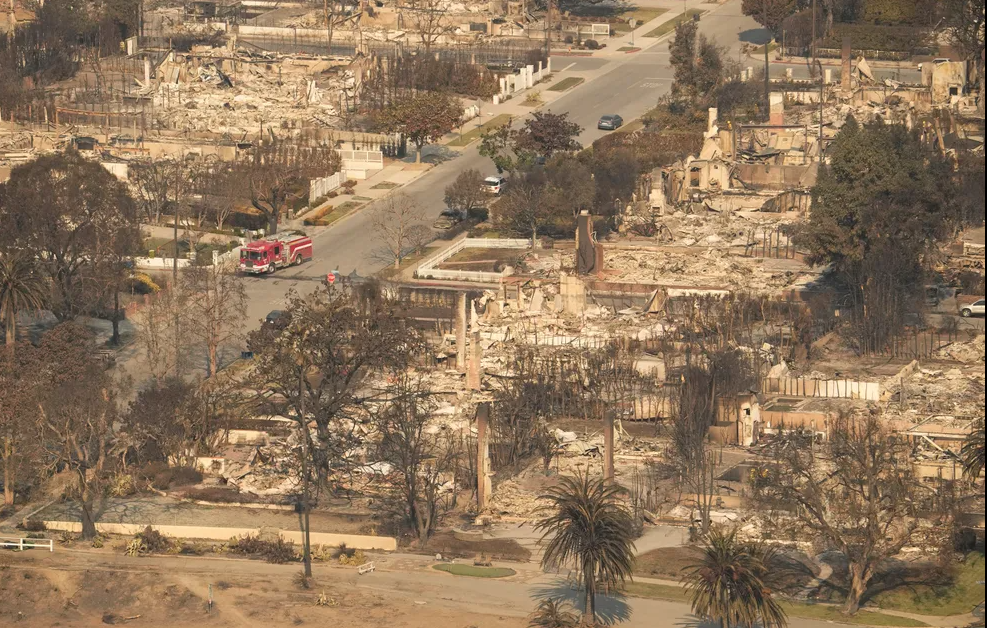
(352, 541)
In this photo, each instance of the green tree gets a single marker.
(78, 219)
(727, 584)
(964, 24)
(878, 210)
(22, 288)
(466, 193)
(769, 13)
(553, 614)
(422, 118)
(973, 452)
(590, 528)
(546, 133)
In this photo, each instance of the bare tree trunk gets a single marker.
(11, 331)
(86, 507)
(858, 586)
(272, 222)
(589, 580)
(116, 316)
(8, 471)
(213, 357)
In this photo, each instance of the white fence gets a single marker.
(524, 79)
(321, 187)
(23, 544)
(829, 388)
(368, 156)
(429, 269)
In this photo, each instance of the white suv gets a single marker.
(494, 185)
(974, 309)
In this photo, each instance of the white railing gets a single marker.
(429, 269)
(322, 186)
(23, 544)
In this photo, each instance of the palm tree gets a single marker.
(21, 288)
(973, 452)
(553, 614)
(591, 529)
(727, 584)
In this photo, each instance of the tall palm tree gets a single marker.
(973, 452)
(727, 584)
(22, 287)
(591, 529)
(553, 614)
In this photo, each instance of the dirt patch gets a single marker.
(450, 546)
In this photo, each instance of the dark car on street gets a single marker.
(610, 122)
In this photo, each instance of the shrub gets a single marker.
(122, 485)
(568, 39)
(141, 283)
(247, 545)
(316, 218)
(280, 551)
(479, 214)
(165, 478)
(592, 44)
(154, 542)
(34, 525)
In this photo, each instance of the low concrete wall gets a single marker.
(352, 541)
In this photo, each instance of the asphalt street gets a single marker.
(628, 85)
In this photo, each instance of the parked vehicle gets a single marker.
(269, 254)
(610, 122)
(495, 185)
(973, 309)
(448, 219)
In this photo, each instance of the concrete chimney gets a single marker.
(483, 483)
(776, 102)
(711, 122)
(473, 371)
(845, 66)
(461, 332)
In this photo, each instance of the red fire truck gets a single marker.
(269, 254)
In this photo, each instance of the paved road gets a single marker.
(414, 580)
(625, 84)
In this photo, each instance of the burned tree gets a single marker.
(856, 493)
(427, 20)
(398, 223)
(217, 302)
(319, 368)
(279, 170)
(420, 457)
(74, 414)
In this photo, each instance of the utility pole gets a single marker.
(767, 74)
(303, 422)
(812, 44)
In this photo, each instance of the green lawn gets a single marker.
(961, 596)
(670, 25)
(472, 136)
(824, 612)
(385, 185)
(642, 15)
(567, 83)
(475, 572)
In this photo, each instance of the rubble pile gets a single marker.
(927, 391)
(965, 352)
(710, 268)
(231, 97)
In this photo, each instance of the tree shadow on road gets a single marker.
(610, 609)
(756, 36)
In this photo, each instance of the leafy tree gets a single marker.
(727, 585)
(769, 13)
(590, 528)
(18, 450)
(22, 288)
(466, 193)
(528, 206)
(170, 421)
(499, 146)
(423, 117)
(682, 57)
(546, 133)
(77, 217)
(856, 493)
(572, 183)
(615, 173)
(553, 614)
(964, 23)
(279, 170)
(697, 68)
(973, 452)
(320, 367)
(878, 210)
(75, 411)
